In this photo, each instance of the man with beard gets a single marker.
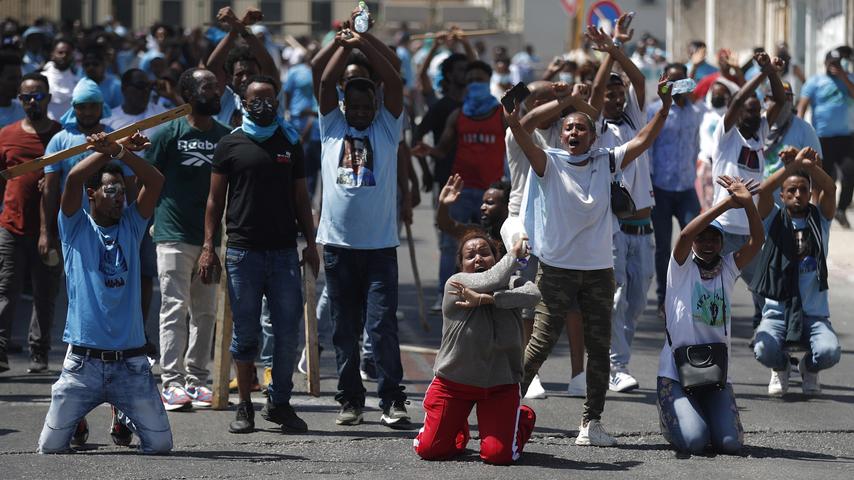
(792, 272)
(62, 77)
(22, 142)
(739, 152)
(183, 151)
(259, 168)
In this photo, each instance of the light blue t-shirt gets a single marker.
(299, 88)
(359, 172)
(814, 301)
(800, 135)
(11, 114)
(111, 89)
(676, 149)
(102, 268)
(828, 98)
(405, 65)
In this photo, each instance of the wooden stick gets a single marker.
(422, 313)
(467, 33)
(310, 320)
(222, 342)
(119, 134)
(269, 23)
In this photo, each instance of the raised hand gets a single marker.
(600, 41)
(581, 90)
(779, 64)
(101, 144)
(788, 154)
(513, 118)
(347, 38)
(136, 142)
(836, 70)
(665, 91)
(699, 56)
(763, 60)
(226, 15)
(451, 191)
(741, 191)
(252, 16)
(520, 249)
(622, 33)
(562, 89)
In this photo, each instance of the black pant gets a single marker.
(838, 153)
(19, 254)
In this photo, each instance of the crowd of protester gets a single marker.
(554, 210)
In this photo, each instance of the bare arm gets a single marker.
(600, 83)
(318, 64)
(791, 160)
(686, 237)
(216, 62)
(48, 235)
(331, 75)
(450, 193)
(423, 77)
(209, 265)
(383, 50)
(305, 219)
(551, 111)
(842, 76)
(536, 156)
(390, 76)
(602, 42)
(778, 91)
(446, 141)
(150, 178)
(803, 105)
(643, 140)
(822, 182)
(757, 236)
(733, 112)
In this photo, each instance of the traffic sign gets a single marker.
(604, 14)
(570, 7)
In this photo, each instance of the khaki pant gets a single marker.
(183, 292)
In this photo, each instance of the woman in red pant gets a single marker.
(480, 359)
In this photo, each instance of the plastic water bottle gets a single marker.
(686, 85)
(362, 20)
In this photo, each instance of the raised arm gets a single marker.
(536, 156)
(551, 111)
(265, 61)
(388, 74)
(458, 37)
(614, 52)
(318, 64)
(822, 182)
(791, 158)
(736, 105)
(837, 71)
(150, 179)
(741, 196)
(643, 140)
(332, 73)
(450, 193)
(778, 91)
(424, 79)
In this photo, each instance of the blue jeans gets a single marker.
(276, 275)
(465, 210)
(86, 382)
(633, 272)
(324, 319)
(690, 422)
(684, 206)
(733, 242)
(362, 287)
(268, 341)
(769, 349)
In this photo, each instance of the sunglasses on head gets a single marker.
(27, 97)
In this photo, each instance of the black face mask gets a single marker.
(206, 106)
(262, 111)
(751, 125)
(718, 102)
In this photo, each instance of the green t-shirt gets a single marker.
(183, 154)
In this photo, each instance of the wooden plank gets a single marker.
(116, 135)
(467, 33)
(422, 313)
(222, 341)
(310, 320)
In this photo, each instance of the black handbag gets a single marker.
(702, 367)
(621, 200)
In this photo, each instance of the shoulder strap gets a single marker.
(612, 161)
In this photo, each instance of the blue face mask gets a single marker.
(259, 134)
(478, 101)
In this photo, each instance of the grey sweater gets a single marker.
(482, 346)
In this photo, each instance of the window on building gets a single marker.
(70, 9)
(321, 14)
(272, 13)
(123, 12)
(172, 12)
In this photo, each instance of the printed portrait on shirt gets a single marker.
(356, 166)
(709, 306)
(804, 248)
(113, 265)
(748, 159)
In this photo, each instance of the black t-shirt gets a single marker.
(261, 214)
(434, 121)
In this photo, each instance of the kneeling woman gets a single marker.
(480, 359)
(697, 309)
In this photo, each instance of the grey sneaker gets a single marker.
(396, 416)
(594, 434)
(244, 420)
(349, 415)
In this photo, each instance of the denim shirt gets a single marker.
(675, 151)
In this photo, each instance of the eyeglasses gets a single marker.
(27, 97)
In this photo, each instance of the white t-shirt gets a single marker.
(519, 165)
(737, 157)
(710, 122)
(118, 118)
(697, 311)
(636, 176)
(61, 83)
(567, 211)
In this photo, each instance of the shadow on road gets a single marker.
(768, 452)
(546, 460)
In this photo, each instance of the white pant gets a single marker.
(182, 292)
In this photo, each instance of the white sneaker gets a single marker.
(578, 386)
(594, 434)
(779, 384)
(809, 380)
(302, 366)
(621, 380)
(535, 389)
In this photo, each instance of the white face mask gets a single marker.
(566, 77)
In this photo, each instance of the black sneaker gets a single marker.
(244, 421)
(119, 432)
(395, 416)
(842, 219)
(81, 434)
(38, 362)
(349, 415)
(4, 361)
(284, 415)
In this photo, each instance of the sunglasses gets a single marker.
(27, 97)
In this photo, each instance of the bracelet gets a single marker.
(618, 44)
(121, 153)
(479, 298)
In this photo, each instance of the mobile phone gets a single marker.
(515, 95)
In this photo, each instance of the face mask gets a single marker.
(262, 111)
(708, 270)
(845, 64)
(478, 100)
(718, 102)
(566, 77)
(204, 106)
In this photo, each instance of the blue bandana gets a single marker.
(478, 100)
(86, 91)
(259, 134)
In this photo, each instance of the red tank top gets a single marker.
(480, 150)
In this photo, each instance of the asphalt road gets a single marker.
(793, 437)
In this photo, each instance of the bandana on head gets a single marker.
(86, 91)
(478, 101)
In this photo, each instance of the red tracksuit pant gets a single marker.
(504, 425)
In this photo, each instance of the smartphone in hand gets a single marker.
(515, 95)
